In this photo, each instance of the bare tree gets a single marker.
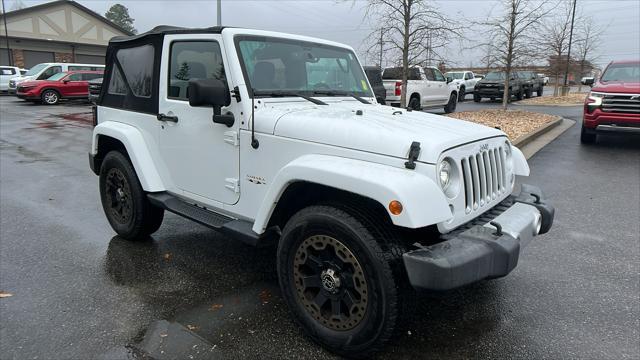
(588, 38)
(511, 35)
(413, 30)
(556, 40)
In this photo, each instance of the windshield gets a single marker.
(495, 76)
(454, 75)
(58, 76)
(273, 65)
(36, 69)
(622, 72)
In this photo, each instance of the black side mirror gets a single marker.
(211, 92)
(449, 79)
(588, 81)
(66, 81)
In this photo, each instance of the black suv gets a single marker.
(492, 86)
(374, 74)
(531, 83)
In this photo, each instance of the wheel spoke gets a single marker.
(335, 307)
(320, 299)
(311, 281)
(348, 300)
(314, 262)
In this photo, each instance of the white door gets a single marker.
(202, 157)
(431, 88)
(441, 87)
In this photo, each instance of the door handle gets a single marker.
(163, 117)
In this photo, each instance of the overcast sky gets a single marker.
(344, 21)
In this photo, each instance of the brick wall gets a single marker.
(63, 57)
(18, 57)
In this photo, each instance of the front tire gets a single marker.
(519, 95)
(336, 275)
(451, 105)
(124, 201)
(586, 136)
(50, 97)
(477, 98)
(461, 95)
(528, 93)
(540, 90)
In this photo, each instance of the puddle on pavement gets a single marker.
(56, 121)
(24, 155)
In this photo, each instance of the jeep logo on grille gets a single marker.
(484, 147)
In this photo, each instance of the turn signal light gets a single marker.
(395, 207)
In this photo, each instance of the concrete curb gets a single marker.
(550, 105)
(527, 138)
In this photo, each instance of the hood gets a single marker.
(34, 82)
(377, 130)
(492, 82)
(617, 87)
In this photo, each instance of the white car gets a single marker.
(426, 88)
(466, 81)
(274, 138)
(46, 70)
(7, 73)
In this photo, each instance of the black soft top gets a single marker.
(162, 30)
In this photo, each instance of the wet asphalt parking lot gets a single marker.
(80, 292)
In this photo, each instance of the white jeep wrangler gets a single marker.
(272, 137)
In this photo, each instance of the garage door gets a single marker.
(89, 59)
(32, 58)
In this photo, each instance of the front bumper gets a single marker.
(479, 250)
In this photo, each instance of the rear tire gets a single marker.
(124, 201)
(50, 97)
(476, 98)
(349, 264)
(414, 103)
(451, 105)
(587, 137)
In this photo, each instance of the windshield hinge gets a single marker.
(232, 137)
(414, 152)
(232, 184)
(236, 93)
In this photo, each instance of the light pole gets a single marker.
(219, 12)
(565, 89)
(6, 35)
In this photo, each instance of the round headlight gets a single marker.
(445, 174)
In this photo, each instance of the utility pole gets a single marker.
(380, 63)
(219, 12)
(6, 34)
(565, 89)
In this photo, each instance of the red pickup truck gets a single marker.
(613, 105)
(63, 85)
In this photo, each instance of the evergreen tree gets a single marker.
(119, 14)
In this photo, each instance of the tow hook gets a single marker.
(498, 228)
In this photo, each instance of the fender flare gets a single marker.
(520, 165)
(134, 143)
(423, 201)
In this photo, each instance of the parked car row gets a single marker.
(522, 84)
(48, 83)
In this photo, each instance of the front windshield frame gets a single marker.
(455, 75)
(36, 69)
(634, 66)
(501, 75)
(368, 93)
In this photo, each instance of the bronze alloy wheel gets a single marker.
(330, 282)
(118, 194)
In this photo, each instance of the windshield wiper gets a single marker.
(340, 93)
(286, 94)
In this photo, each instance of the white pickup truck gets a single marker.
(426, 88)
(466, 81)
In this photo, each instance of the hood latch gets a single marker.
(414, 152)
